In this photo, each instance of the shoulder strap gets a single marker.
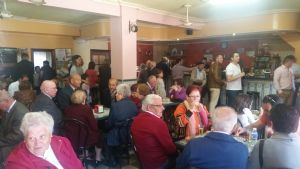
(261, 149)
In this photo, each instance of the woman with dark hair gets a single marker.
(134, 94)
(177, 92)
(242, 105)
(93, 79)
(282, 150)
(191, 113)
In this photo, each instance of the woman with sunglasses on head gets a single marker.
(268, 102)
(191, 113)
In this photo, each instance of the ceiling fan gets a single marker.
(187, 21)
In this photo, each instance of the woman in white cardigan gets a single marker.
(242, 106)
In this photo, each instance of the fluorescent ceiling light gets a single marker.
(231, 2)
(38, 2)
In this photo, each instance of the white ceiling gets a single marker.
(201, 10)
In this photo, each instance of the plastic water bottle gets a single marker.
(253, 138)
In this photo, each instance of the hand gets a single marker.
(279, 91)
(242, 74)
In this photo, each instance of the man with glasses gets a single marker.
(151, 135)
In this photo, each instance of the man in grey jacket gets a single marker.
(10, 134)
(282, 150)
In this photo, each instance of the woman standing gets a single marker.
(191, 113)
(160, 86)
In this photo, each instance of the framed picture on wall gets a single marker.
(100, 57)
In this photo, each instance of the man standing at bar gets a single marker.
(215, 82)
(284, 80)
(234, 79)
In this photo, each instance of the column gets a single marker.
(123, 45)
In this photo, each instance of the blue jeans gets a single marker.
(231, 95)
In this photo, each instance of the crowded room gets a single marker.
(161, 84)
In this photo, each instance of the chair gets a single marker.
(177, 133)
(121, 151)
(255, 97)
(77, 132)
(136, 152)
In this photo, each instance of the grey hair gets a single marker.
(36, 119)
(148, 100)
(223, 119)
(124, 89)
(4, 95)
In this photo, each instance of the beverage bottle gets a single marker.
(253, 137)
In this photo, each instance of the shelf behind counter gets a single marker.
(264, 86)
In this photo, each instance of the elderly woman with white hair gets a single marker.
(79, 110)
(40, 148)
(120, 111)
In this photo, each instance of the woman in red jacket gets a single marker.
(40, 148)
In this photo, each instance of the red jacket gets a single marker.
(152, 140)
(85, 114)
(93, 77)
(21, 158)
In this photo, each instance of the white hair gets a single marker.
(124, 89)
(223, 119)
(36, 119)
(148, 100)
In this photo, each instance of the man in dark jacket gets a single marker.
(10, 134)
(44, 102)
(47, 72)
(24, 67)
(63, 97)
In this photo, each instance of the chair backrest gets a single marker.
(136, 152)
(123, 128)
(77, 132)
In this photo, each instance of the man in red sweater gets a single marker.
(151, 136)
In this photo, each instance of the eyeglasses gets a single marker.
(194, 96)
(157, 105)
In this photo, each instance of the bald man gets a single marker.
(218, 149)
(44, 102)
(64, 95)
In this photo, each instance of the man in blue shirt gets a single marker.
(218, 149)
